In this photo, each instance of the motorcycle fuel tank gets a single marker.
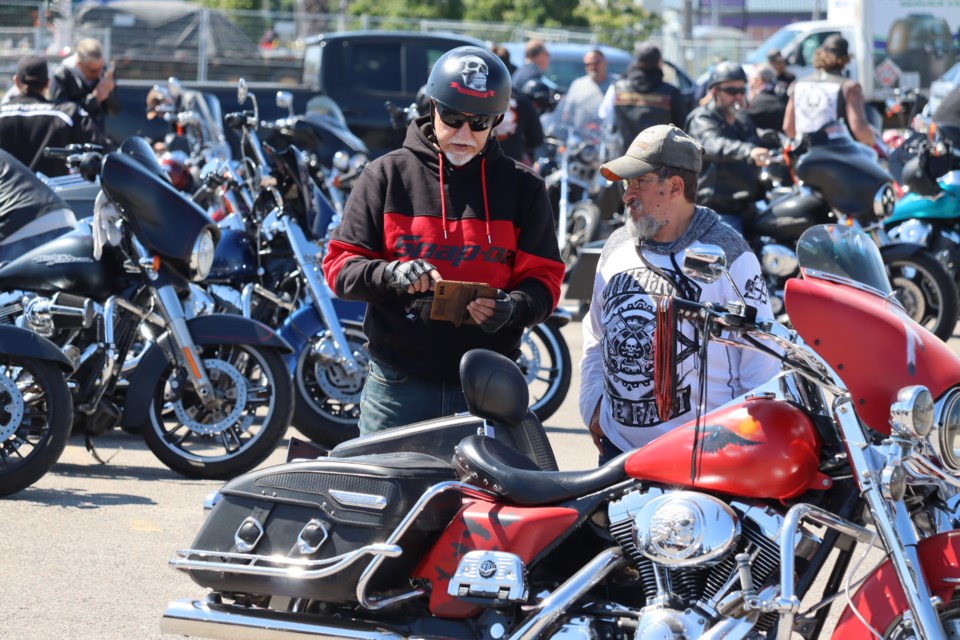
(944, 206)
(66, 264)
(760, 448)
(788, 216)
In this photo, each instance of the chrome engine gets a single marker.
(685, 546)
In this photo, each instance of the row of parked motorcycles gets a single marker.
(188, 305)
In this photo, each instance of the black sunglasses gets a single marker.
(734, 91)
(455, 119)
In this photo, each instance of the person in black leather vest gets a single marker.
(826, 96)
(642, 99)
(729, 182)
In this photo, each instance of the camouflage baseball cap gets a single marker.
(663, 145)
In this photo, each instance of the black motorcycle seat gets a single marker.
(494, 466)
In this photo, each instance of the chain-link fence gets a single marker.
(152, 40)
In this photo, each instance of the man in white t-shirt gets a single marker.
(659, 171)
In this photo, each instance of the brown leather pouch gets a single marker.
(450, 298)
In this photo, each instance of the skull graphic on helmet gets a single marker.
(474, 72)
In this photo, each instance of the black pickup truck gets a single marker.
(359, 70)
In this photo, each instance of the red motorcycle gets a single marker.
(718, 529)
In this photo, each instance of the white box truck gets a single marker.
(894, 43)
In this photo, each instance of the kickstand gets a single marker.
(93, 451)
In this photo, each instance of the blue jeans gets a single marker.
(391, 398)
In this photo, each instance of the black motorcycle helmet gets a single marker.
(470, 80)
(726, 72)
(543, 96)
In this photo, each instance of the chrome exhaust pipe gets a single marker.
(198, 619)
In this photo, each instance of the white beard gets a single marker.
(645, 227)
(460, 158)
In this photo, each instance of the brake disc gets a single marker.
(235, 392)
(12, 407)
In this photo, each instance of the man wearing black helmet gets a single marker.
(729, 183)
(447, 205)
(827, 95)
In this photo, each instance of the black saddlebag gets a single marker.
(280, 530)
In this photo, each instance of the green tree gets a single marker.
(439, 9)
(619, 23)
(547, 13)
(234, 5)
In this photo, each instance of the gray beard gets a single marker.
(644, 228)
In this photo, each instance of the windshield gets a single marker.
(580, 114)
(845, 254)
(778, 41)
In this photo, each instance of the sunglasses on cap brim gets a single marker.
(455, 119)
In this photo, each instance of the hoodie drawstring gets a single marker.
(486, 203)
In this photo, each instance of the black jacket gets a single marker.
(729, 181)
(65, 86)
(23, 197)
(767, 108)
(520, 132)
(29, 123)
(488, 221)
(642, 99)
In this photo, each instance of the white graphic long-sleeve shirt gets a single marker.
(617, 364)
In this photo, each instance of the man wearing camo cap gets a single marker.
(642, 262)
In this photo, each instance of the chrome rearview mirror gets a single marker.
(285, 101)
(242, 91)
(705, 264)
(174, 87)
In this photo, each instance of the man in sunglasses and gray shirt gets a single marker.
(447, 205)
(730, 180)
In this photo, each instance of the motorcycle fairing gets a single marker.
(871, 343)
(846, 178)
(759, 448)
(234, 258)
(488, 526)
(943, 206)
(161, 217)
(880, 600)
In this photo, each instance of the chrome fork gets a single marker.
(187, 354)
(320, 293)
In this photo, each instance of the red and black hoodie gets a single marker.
(489, 221)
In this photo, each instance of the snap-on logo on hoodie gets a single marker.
(413, 247)
(474, 72)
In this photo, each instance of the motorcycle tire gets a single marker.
(545, 363)
(927, 292)
(33, 430)
(583, 226)
(327, 398)
(235, 437)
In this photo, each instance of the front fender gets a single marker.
(15, 341)
(212, 329)
(880, 600)
(899, 250)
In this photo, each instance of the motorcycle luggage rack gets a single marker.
(300, 569)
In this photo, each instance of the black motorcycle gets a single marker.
(37, 409)
(210, 394)
(840, 181)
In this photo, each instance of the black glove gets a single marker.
(400, 275)
(502, 313)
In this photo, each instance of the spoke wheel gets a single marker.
(36, 415)
(545, 363)
(327, 396)
(253, 403)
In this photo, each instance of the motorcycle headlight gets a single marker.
(588, 154)
(945, 436)
(912, 414)
(201, 257)
(884, 200)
